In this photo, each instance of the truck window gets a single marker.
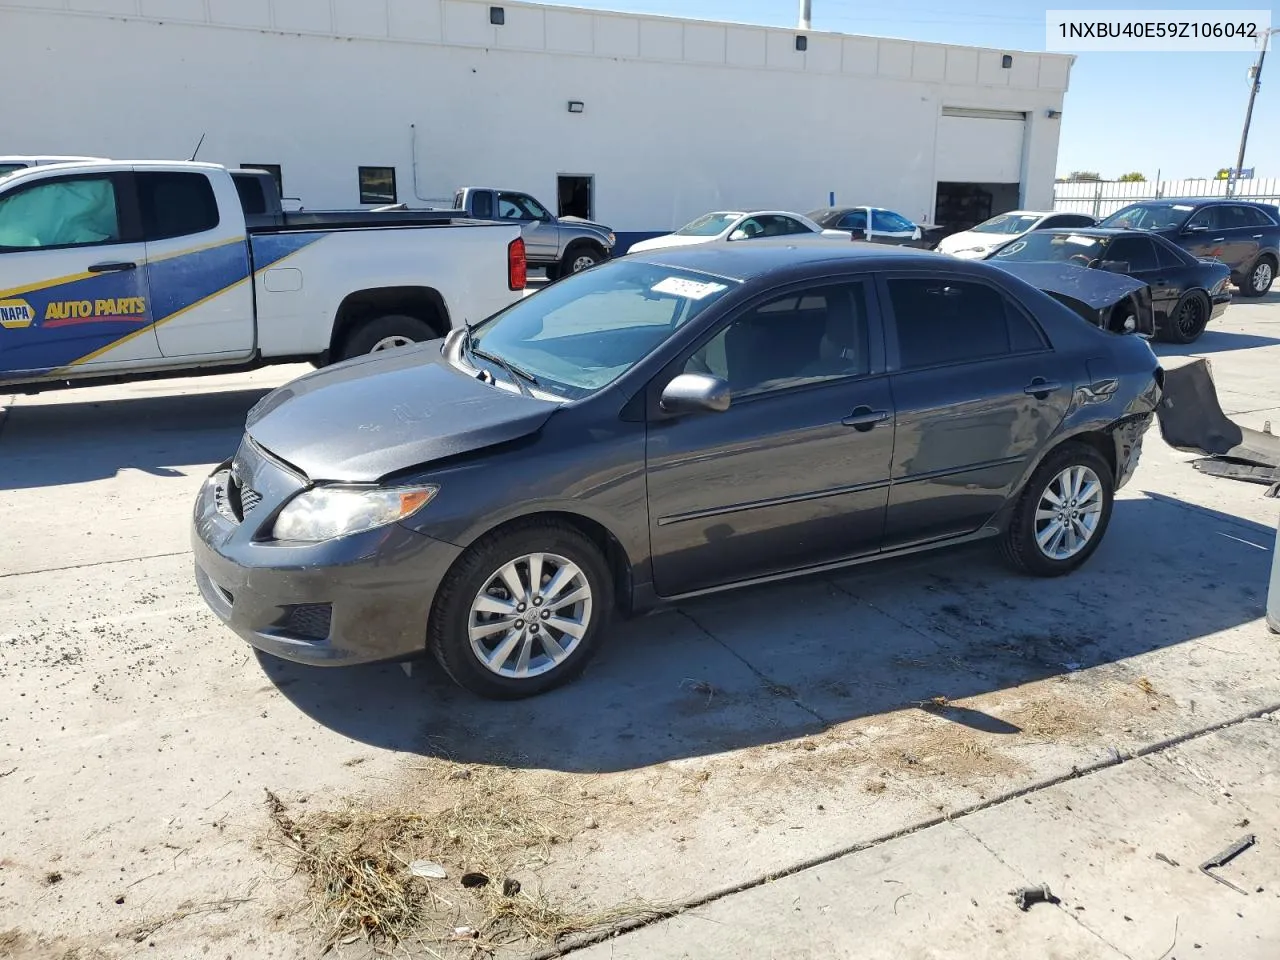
(519, 206)
(68, 212)
(276, 171)
(252, 201)
(176, 204)
(481, 204)
(377, 185)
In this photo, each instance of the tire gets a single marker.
(1187, 320)
(1260, 276)
(478, 574)
(370, 335)
(553, 272)
(579, 258)
(1018, 542)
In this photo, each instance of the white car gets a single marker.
(724, 226)
(979, 241)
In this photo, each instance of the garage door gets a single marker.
(980, 146)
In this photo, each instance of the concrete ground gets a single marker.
(767, 760)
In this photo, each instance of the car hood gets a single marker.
(1094, 288)
(967, 239)
(361, 420)
(588, 224)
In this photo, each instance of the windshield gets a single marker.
(8, 168)
(708, 226)
(583, 332)
(825, 217)
(886, 221)
(1040, 246)
(1007, 223)
(1150, 216)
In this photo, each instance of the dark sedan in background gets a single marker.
(658, 427)
(877, 225)
(1186, 293)
(1242, 234)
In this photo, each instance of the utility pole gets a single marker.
(1256, 76)
(806, 15)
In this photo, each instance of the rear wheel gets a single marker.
(1062, 513)
(386, 333)
(1188, 318)
(1260, 277)
(522, 611)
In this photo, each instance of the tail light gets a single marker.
(517, 265)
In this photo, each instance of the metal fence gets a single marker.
(1101, 198)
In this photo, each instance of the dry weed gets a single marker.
(357, 865)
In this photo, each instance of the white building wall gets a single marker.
(680, 116)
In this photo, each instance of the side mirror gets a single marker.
(695, 393)
(1115, 266)
(738, 235)
(1196, 228)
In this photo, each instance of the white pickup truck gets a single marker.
(114, 270)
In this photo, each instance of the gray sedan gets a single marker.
(658, 427)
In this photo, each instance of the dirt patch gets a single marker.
(17, 945)
(1057, 710)
(459, 872)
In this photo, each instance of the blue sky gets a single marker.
(1179, 113)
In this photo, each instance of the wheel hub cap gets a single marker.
(1262, 276)
(390, 343)
(509, 644)
(1068, 512)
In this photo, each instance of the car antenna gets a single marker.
(198, 146)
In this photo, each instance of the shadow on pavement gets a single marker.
(1214, 341)
(47, 445)
(770, 664)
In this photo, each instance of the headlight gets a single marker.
(323, 513)
(613, 240)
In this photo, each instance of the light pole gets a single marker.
(1256, 75)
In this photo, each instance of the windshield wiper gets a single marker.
(518, 377)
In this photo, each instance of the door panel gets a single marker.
(197, 267)
(767, 486)
(796, 471)
(72, 283)
(964, 436)
(1149, 266)
(979, 391)
(541, 236)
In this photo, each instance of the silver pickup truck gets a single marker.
(560, 245)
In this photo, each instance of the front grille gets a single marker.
(249, 498)
(309, 621)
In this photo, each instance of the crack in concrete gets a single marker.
(772, 684)
(1075, 773)
(94, 563)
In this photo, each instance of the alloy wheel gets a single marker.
(530, 616)
(1068, 513)
(583, 262)
(1262, 276)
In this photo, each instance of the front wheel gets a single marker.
(1062, 513)
(522, 611)
(386, 333)
(1187, 320)
(579, 259)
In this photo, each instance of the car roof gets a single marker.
(734, 262)
(1198, 201)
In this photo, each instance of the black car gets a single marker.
(657, 427)
(876, 225)
(1242, 234)
(1186, 293)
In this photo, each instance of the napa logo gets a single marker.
(15, 314)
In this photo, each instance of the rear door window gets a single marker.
(944, 321)
(176, 205)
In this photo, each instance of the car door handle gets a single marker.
(864, 418)
(1217, 239)
(1257, 236)
(1160, 283)
(1040, 388)
(113, 267)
